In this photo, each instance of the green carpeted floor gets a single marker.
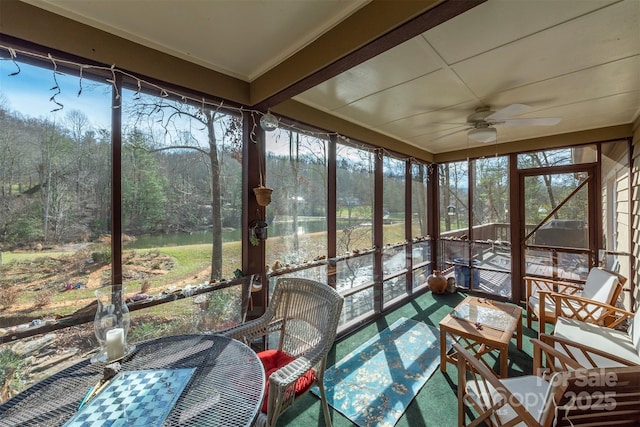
(436, 404)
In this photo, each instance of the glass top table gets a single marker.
(225, 386)
(481, 326)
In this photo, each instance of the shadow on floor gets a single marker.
(436, 404)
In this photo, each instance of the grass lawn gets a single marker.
(33, 283)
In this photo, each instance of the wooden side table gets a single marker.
(482, 326)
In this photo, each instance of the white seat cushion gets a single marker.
(634, 333)
(600, 285)
(610, 340)
(530, 390)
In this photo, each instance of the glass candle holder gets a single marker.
(111, 325)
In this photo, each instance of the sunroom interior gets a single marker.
(488, 140)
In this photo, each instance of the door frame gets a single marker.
(518, 225)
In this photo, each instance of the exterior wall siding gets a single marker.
(635, 213)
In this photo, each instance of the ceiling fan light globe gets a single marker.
(484, 135)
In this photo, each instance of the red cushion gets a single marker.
(272, 360)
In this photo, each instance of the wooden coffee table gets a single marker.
(482, 326)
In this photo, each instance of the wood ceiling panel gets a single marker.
(240, 38)
(431, 92)
(431, 124)
(375, 75)
(596, 82)
(496, 23)
(612, 34)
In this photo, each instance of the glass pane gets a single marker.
(297, 171)
(354, 213)
(354, 272)
(491, 199)
(394, 288)
(452, 251)
(420, 276)
(394, 260)
(357, 305)
(556, 264)
(568, 225)
(491, 254)
(55, 204)
(207, 312)
(181, 181)
(492, 267)
(55, 198)
(558, 157)
(318, 273)
(394, 200)
(454, 196)
(421, 252)
(419, 210)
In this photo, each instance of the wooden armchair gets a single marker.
(548, 299)
(563, 395)
(596, 345)
(584, 355)
(301, 319)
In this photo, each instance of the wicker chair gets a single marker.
(564, 394)
(300, 322)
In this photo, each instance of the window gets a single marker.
(55, 191)
(454, 196)
(558, 157)
(181, 181)
(296, 166)
(394, 171)
(354, 230)
(56, 210)
(419, 208)
(354, 193)
(491, 265)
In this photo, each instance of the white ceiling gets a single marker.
(574, 59)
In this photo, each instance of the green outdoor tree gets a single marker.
(179, 126)
(453, 183)
(491, 190)
(143, 186)
(419, 173)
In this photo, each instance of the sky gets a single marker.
(30, 91)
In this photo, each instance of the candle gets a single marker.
(115, 343)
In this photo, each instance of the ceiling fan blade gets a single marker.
(450, 133)
(510, 110)
(542, 121)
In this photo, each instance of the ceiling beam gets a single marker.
(305, 115)
(381, 25)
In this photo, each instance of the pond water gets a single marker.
(277, 227)
(180, 239)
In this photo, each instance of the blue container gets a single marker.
(461, 272)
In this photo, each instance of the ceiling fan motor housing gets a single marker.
(479, 116)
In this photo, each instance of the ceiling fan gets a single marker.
(480, 124)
